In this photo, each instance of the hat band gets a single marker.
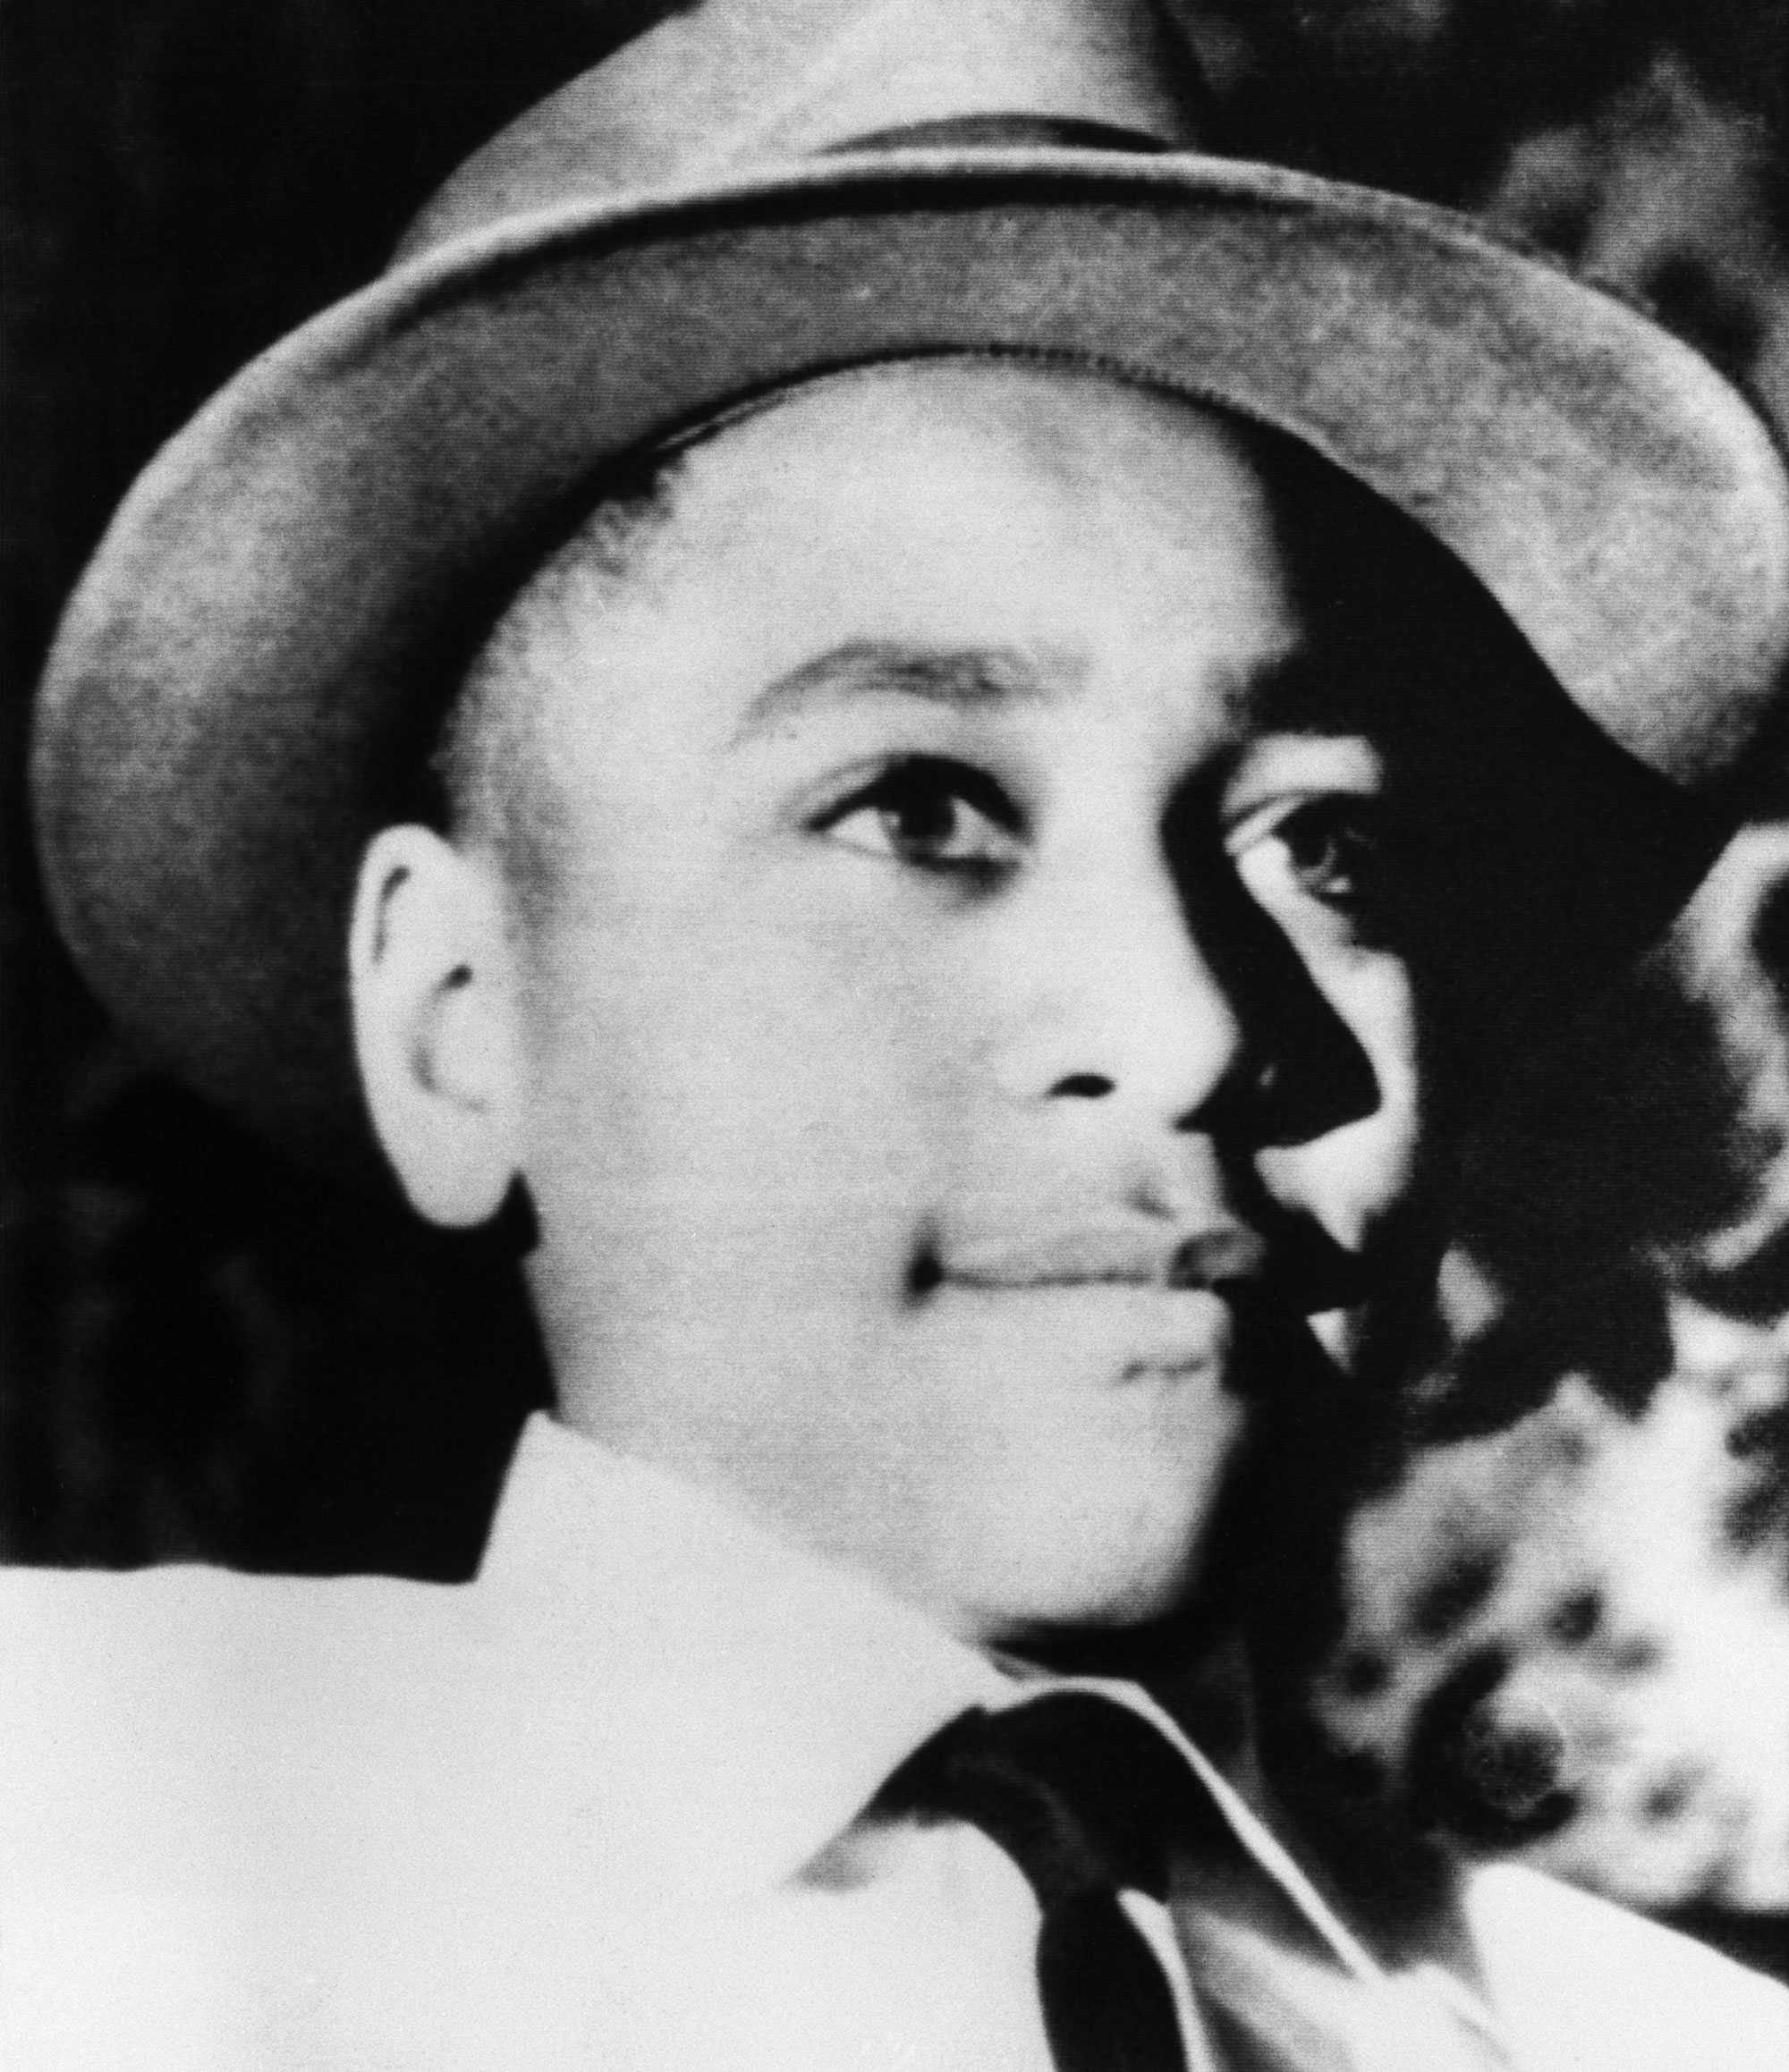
(1009, 130)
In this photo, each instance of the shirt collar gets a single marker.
(737, 1699)
(714, 1705)
(733, 1693)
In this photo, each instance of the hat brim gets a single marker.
(261, 624)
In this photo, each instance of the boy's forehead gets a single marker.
(921, 498)
(1081, 430)
(901, 456)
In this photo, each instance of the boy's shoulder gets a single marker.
(139, 1711)
(262, 1819)
(1587, 1986)
(87, 1651)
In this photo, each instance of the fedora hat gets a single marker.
(749, 193)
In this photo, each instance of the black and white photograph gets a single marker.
(895, 1035)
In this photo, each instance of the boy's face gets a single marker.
(969, 1001)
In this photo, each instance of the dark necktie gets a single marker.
(1088, 1799)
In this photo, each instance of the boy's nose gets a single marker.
(1182, 1020)
(1120, 1004)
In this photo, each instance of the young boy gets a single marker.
(974, 875)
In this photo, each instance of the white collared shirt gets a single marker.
(600, 1808)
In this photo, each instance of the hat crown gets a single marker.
(731, 87)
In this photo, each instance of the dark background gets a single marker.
(203, 1354)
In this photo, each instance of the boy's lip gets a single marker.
(1103, 1254)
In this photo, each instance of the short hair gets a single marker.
(490, 767)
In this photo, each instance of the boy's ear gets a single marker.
(432, 979)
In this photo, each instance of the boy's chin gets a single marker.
(1097, 1521)
(1145, 1637)
(1058, 1597)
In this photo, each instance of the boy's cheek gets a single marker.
(1360, 1179)
(1355, 1177)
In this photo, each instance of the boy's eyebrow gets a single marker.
(1309, 692)
(1298, 693)
(964, 678)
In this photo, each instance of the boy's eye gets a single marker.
(930, 813)
(1327, 849)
